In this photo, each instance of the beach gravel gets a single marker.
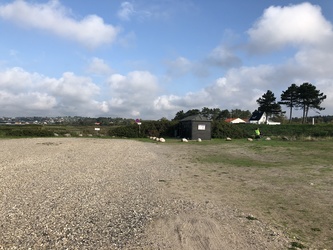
(86, 193)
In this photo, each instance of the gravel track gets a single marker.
(78, 193)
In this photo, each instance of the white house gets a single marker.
(259, 117)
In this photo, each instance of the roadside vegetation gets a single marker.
(168, 129)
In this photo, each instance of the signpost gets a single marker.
(139, 124)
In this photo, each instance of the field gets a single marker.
(128, 194)
(288, 184)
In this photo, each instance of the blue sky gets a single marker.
(150, 59)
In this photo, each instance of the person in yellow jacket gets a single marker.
(257, 133)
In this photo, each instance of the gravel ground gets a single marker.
(77, 193)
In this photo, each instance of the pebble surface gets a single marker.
(78, 193)
(86, 193)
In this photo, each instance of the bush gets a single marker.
(290, 130)
(130, 131)
(221, 129)
(161, 128)
(29, 133)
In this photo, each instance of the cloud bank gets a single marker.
(141, 93)
(90, 31)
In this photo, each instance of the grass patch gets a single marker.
(286, 183)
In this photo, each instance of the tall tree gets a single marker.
(268, 104)
(310, 98)
(290, 98)
(181, 115)
(238, 113)
(224, 114)
(210, 113)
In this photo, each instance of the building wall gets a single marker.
(202, 130)
(196, 129)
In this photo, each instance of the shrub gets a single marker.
(163, 128)
(29, 133)
(130, 131)
(221, 129)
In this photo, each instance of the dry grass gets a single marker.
(289, 184)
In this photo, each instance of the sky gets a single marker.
(149, 59)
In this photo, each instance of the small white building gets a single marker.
(259, 117)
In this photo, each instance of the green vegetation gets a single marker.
(286, 183)
(167, 129)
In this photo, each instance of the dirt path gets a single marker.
(116, 194)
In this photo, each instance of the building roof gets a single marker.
(256, 115)
(235, 120)
(195, 118)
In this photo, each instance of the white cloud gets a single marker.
(132, 84)
(224, 57)
(53, 17)
(179, 67)
(16, 79)
(137, 94)
(132, 94)
(143, 10)
(25, 93)
(182, 66)
(301, 24)
(72, 88)
(98, 66)
(239, 88)
(126, 11)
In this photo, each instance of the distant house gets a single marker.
(195, 127)
(234, 120)
(259, 117)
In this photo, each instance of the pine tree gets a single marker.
(290, 98)
(309, 98)
(268, 104)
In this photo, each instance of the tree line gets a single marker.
(303, 97)
(215, 114)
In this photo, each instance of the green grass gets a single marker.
(289, 183)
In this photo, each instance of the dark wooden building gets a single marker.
(195, 127)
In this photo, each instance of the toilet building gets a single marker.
(195, 127)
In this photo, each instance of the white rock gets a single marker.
(184, 140)
(249, 139)
(162, 140)
(199, 140)
(228, 139)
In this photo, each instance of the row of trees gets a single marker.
(214, 114)
(303, 97)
